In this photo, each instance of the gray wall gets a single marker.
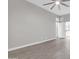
(66, 18)
(29, 24)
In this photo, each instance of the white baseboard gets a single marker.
(20, 47)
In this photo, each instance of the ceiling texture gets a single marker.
(57, 7)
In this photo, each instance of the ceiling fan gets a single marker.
(57, 3)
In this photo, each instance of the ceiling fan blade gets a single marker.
(65, 4)
(52, 6)
(48, 3)
(65, 0)
(53, 0)
(59, 7)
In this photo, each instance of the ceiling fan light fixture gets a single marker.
(57, 2)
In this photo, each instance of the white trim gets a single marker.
(17, 48)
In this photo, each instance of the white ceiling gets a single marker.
(64, 10)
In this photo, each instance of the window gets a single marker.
(67, 30)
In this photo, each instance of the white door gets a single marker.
(60, 29)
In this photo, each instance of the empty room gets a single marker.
(38, 29)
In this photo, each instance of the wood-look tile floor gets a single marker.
(55, 49)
